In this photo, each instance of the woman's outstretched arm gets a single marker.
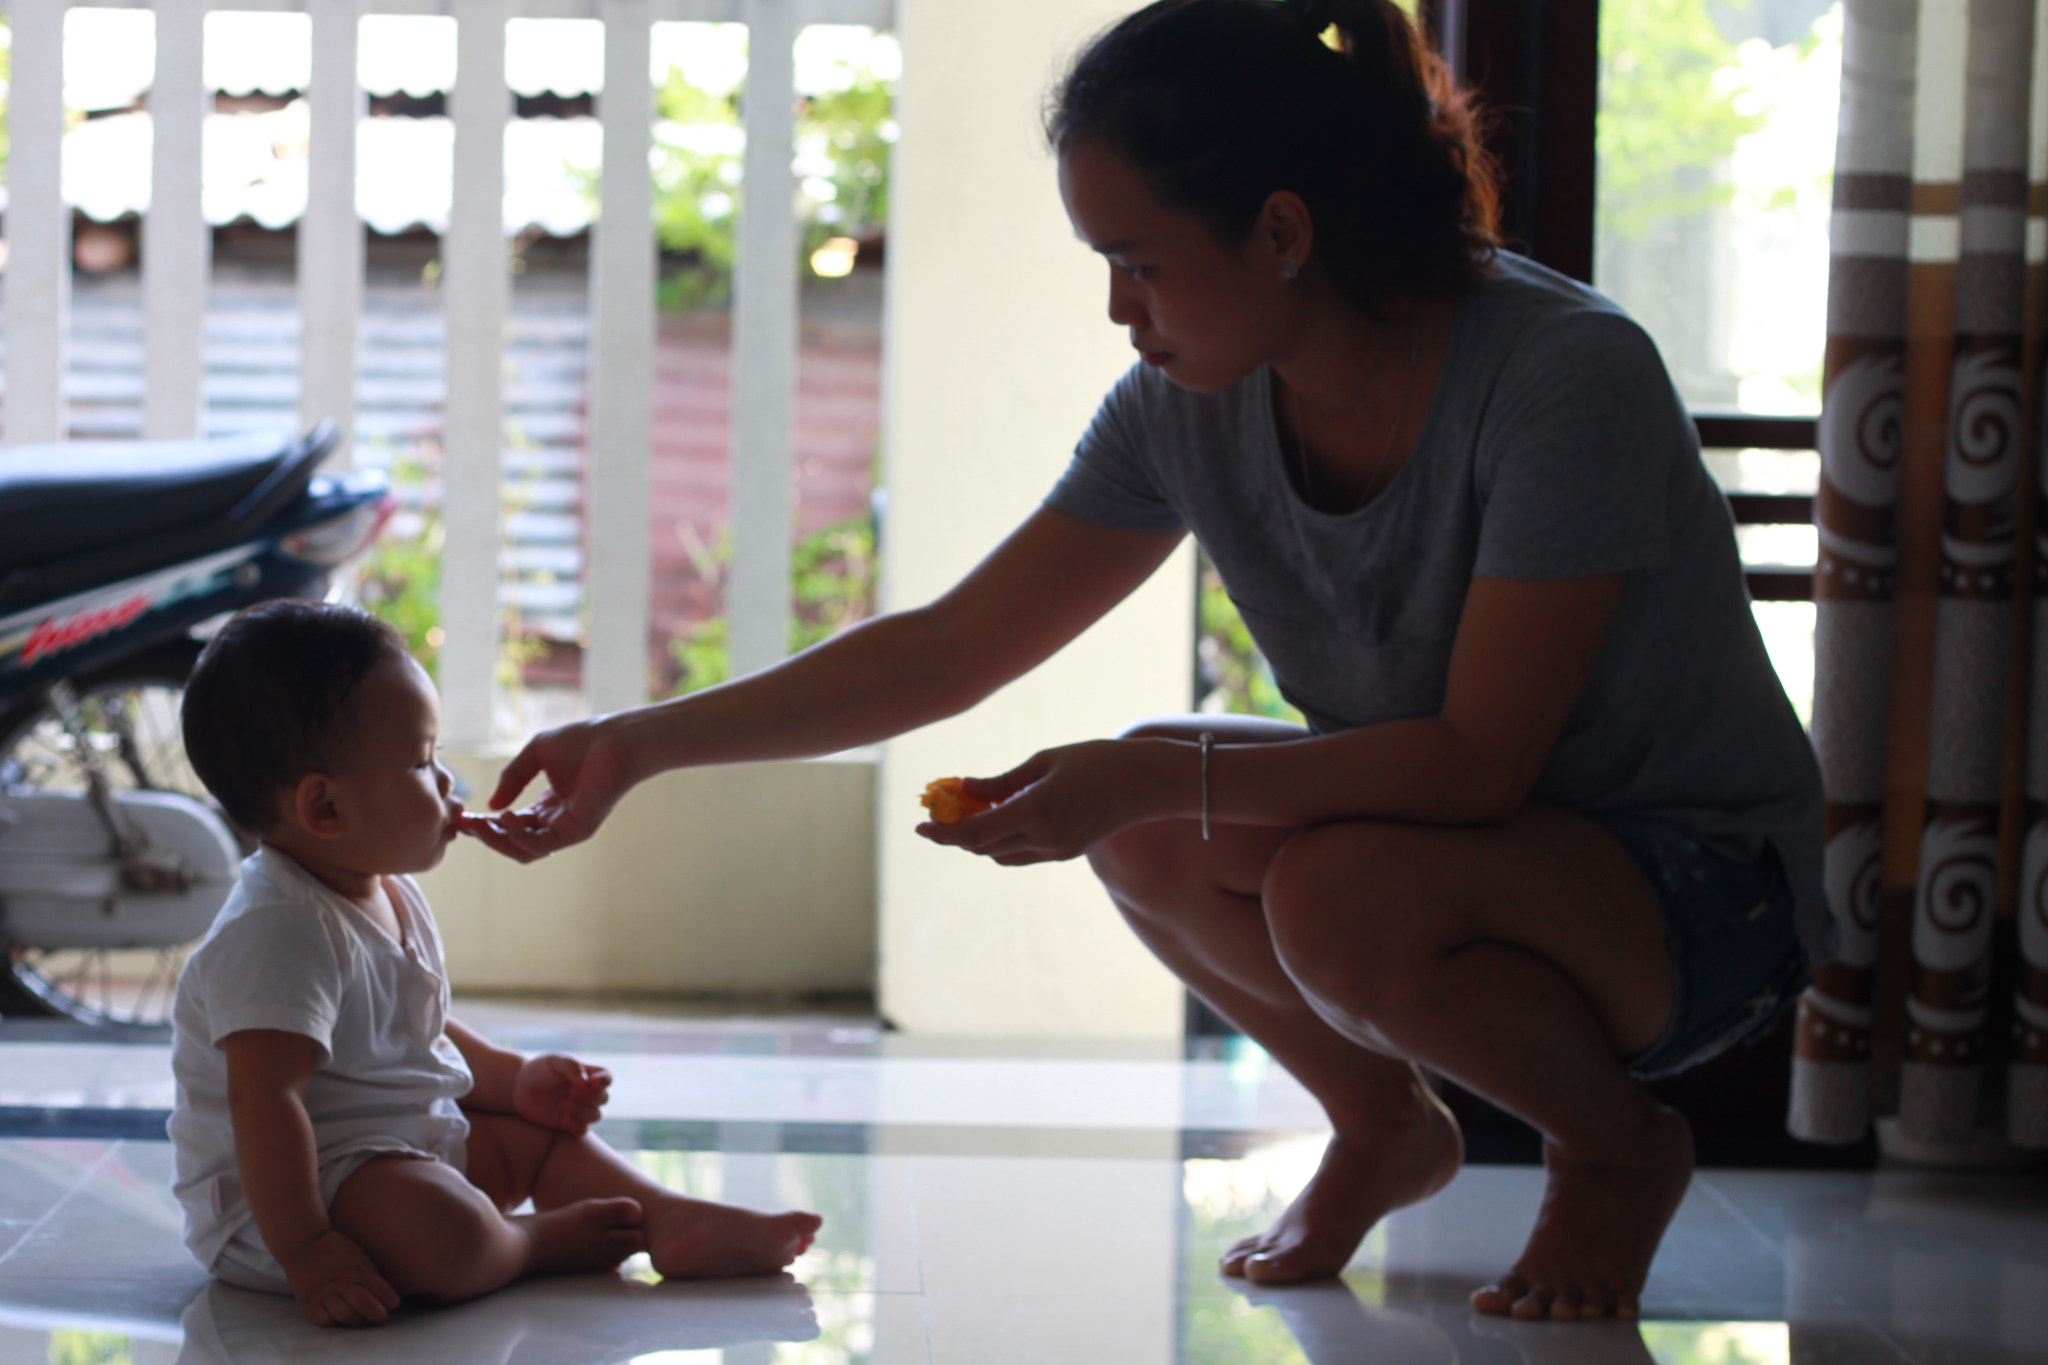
(1049, 581)
(1523, 653)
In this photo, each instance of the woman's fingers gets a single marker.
(520, 771)
(493, 836)
(988, 838)
(509, 834)
(1003, 786)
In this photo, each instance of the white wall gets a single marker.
(746, 879)
(998, 349)
(767, 877)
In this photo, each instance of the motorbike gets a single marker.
(114, 558)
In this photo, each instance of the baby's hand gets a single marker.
(337, 1284)
(560, 1092)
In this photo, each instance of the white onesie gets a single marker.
(288, 953)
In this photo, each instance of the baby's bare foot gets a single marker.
(1362, 1179)
(592, 1234)
(1598, 1229)
(691, 1239)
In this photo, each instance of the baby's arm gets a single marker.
(551, 1090)
(333, 1279)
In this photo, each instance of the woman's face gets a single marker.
(1205, 312)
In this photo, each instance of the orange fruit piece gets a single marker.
(949, 802)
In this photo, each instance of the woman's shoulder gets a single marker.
(1528, 328)
(1517, 302)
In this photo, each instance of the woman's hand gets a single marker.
(588, 769)
(560, 1092)
(1061, 802)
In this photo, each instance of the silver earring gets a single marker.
(1289, 269)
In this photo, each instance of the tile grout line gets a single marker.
(1720, 1197)
(1862, 1319)
(924, 1302)
(61, 1201)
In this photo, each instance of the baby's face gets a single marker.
(400, 815)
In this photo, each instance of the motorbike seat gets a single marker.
(77, 497)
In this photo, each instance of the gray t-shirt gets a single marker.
(1554, 447)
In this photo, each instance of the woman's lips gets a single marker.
(1155, 357)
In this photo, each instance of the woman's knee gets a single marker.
(1343, 909)
(1138, 866)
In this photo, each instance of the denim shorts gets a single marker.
(1736, 960)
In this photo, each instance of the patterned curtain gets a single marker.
(1931, 670)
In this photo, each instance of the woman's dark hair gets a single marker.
(270, 700)
(1220, 103)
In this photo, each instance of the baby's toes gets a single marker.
(621, 1213)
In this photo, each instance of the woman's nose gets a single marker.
(1123, 309)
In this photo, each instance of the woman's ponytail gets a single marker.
(1220, 103)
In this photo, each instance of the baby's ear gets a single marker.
(313, 808)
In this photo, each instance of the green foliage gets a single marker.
(400, 579)
(853, 127)
(1716, 1343)
(1672, 106)
(832, 585)
(696, 191)
(6, 82)
(1227, 1329)
(832, 580)
(703, 655)
(697, 176)
(1237, 676)
(71, 1346)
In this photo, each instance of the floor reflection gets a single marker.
(1333, 1323)
(580, 1320)
(954, 1241)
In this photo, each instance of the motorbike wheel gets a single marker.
(130, 713)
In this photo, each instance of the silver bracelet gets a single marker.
(1208, 741)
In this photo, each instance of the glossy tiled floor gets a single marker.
(989, 1205)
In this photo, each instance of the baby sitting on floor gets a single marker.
(338, 1136)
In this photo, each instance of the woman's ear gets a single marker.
(1285, 230)
(314, 809)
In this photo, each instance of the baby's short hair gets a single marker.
(270, 699)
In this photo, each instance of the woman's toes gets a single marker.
(1566, 1307)
(1500, 1296)
(1270, 1268)
(1534, 1304)
(1233, 1261)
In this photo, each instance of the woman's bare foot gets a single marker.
(1598, 1229)
(591, 1234)
(1360, 1181)
(693, 1239)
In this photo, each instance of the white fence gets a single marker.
(475, 293)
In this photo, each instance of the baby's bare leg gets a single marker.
(436, 1235)
(686, 1238)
